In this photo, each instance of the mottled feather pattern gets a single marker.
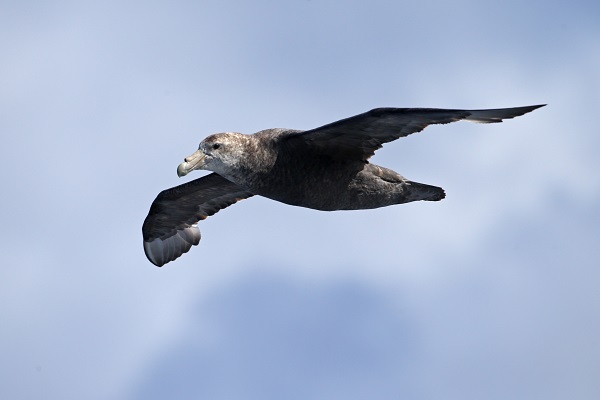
(326, 168)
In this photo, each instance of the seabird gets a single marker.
(326, 168)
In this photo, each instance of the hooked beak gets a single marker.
(195, 161)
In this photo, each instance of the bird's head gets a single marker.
(219, 153)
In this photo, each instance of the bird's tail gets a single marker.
(421, 191)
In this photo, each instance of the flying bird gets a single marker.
(326, 168)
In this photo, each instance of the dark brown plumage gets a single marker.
(326, 168)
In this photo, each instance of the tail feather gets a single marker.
(421, 191)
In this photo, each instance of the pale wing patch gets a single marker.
(163, 250)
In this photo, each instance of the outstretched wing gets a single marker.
(360, 136)
(171, 229)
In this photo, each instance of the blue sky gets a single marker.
(491, 293)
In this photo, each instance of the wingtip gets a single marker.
(529, 109)
(537, 106)
(161, 251)
(151, 253)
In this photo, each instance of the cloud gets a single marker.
(269, 336)
(489, 293)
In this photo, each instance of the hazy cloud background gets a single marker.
(492, 293)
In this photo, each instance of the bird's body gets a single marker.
(326, 168)
(350, 184)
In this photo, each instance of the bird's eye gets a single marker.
(216, 146)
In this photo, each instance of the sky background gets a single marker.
(492, 293)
